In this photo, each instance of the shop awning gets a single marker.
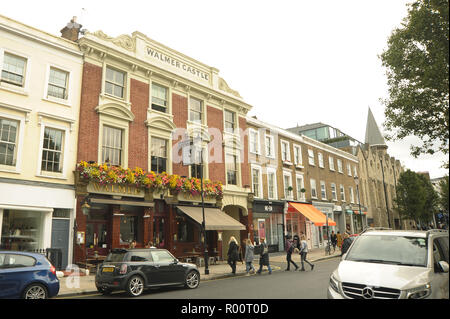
(215, 219)
(312, 213)
(357, 212)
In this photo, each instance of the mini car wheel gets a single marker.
(192, 279)
(135, 286)
(35, 291)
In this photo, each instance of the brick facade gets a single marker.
(138, 136)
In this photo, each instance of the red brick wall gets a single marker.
(89, 121)
(245, 166)
(180, 116)
(215, 122)
(138, 133)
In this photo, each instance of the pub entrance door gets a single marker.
(97, 233)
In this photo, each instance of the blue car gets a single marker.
(27, 275)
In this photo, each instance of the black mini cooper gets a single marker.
(133, 270)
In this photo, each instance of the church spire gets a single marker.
(373, 133)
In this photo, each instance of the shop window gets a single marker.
(21, 230)
(129, 229)
(185, 230)
(8, 141)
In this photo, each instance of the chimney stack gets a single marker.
(71, 30)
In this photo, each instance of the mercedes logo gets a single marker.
(367, 293)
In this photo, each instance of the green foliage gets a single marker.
(417, 69)
(443, 194)
(416, 198)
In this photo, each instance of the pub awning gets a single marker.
(215, 219)
(312, 213)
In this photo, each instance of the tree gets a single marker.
(431, 200)
(417, 70)
(443, 194)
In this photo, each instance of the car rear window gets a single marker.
(116, 257)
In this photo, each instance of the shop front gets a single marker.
(268, 223)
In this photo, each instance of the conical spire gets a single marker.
(373, 133)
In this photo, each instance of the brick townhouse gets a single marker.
(143, 107)
(298, 182)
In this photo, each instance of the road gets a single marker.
(280, 285)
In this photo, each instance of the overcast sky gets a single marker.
(295, 62)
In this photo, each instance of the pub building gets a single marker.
(140, 102)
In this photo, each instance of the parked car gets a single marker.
(133, 270)
(27, 275)
(393, 264)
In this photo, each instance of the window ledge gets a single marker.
(18, 90)
(299, 166)
(57, 101)
(12, 170)
(52, 177)
(287, 163)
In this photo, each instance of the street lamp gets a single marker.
(359, 202)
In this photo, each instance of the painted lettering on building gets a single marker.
(112, 189)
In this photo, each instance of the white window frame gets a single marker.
(235, 118)
(298, 160)
(355, 171)
(123, 125)
(11, 87)
(256, 142)
(66, 102)
(288, 174)
(311, 159)
(286, 158)
(168, 109)
(339, 165)
(342, 192)
(202, 111)
(260, 182)
(333, 192)
(323, 190)
(349, 169)
(313, 185)
(238, 168)
(126, 85)
(271, 170)
(300, 196)
(272, 146)
(320, 159)
(19, 143)
(331, 163)
(352, 196)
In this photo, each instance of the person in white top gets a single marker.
(304, 252)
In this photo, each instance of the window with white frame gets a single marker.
(287, 179)
(13, 70)
(355, 171)
(331, 163)
(115, 82)
(285, 151)
(270, 146)
(52, 150)
(352, 197)
(232, 169)
(349, 169)
(339, 164)
(58, 83)
(195, 110)
(312, 183)
(341, 189)
(298, 155)
(320, 157)
(300, 185)
(230, 121)
(271, 184)
(159, 98)
(112, 145)
(9, 133)
(254, 141)
(311, 157)
(333, 192)
(323, 190)
(256, 182)
(158, 155)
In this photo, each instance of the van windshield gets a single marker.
(397, 250)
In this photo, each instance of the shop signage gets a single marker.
(114, 189)
(268, 208)
(161, 57)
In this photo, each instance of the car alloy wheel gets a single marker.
(135, 286)
(35, 291)
(192, 279)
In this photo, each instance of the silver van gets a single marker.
(393, 264)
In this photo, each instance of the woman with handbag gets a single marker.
(264, 258)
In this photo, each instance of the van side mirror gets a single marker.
(443, 266)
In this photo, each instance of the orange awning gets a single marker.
(357, 212)
(312, 213)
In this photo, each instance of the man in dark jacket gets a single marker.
(346, 243)
(289, 250)
(264, 258)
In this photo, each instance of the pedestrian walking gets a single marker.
(289, 250)
(346, 244)
(339, 240)
(264, 257)
(304, 253)
(333, 238)
(249, 255)
(233, 254)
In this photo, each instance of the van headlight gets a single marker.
(419, 292)
(334, 283)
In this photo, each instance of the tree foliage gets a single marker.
(443, 194)
(417, 69)
(416, 198)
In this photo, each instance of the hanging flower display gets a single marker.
(104, 174)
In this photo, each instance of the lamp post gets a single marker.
(359, 202)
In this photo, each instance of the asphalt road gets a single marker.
(279, 285)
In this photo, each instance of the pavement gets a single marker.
(71, 286)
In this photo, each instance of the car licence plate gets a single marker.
(108, 269)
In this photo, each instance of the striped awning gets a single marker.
(215, 219)
(312, 213)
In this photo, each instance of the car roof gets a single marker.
(25, 253)
(405, 233)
